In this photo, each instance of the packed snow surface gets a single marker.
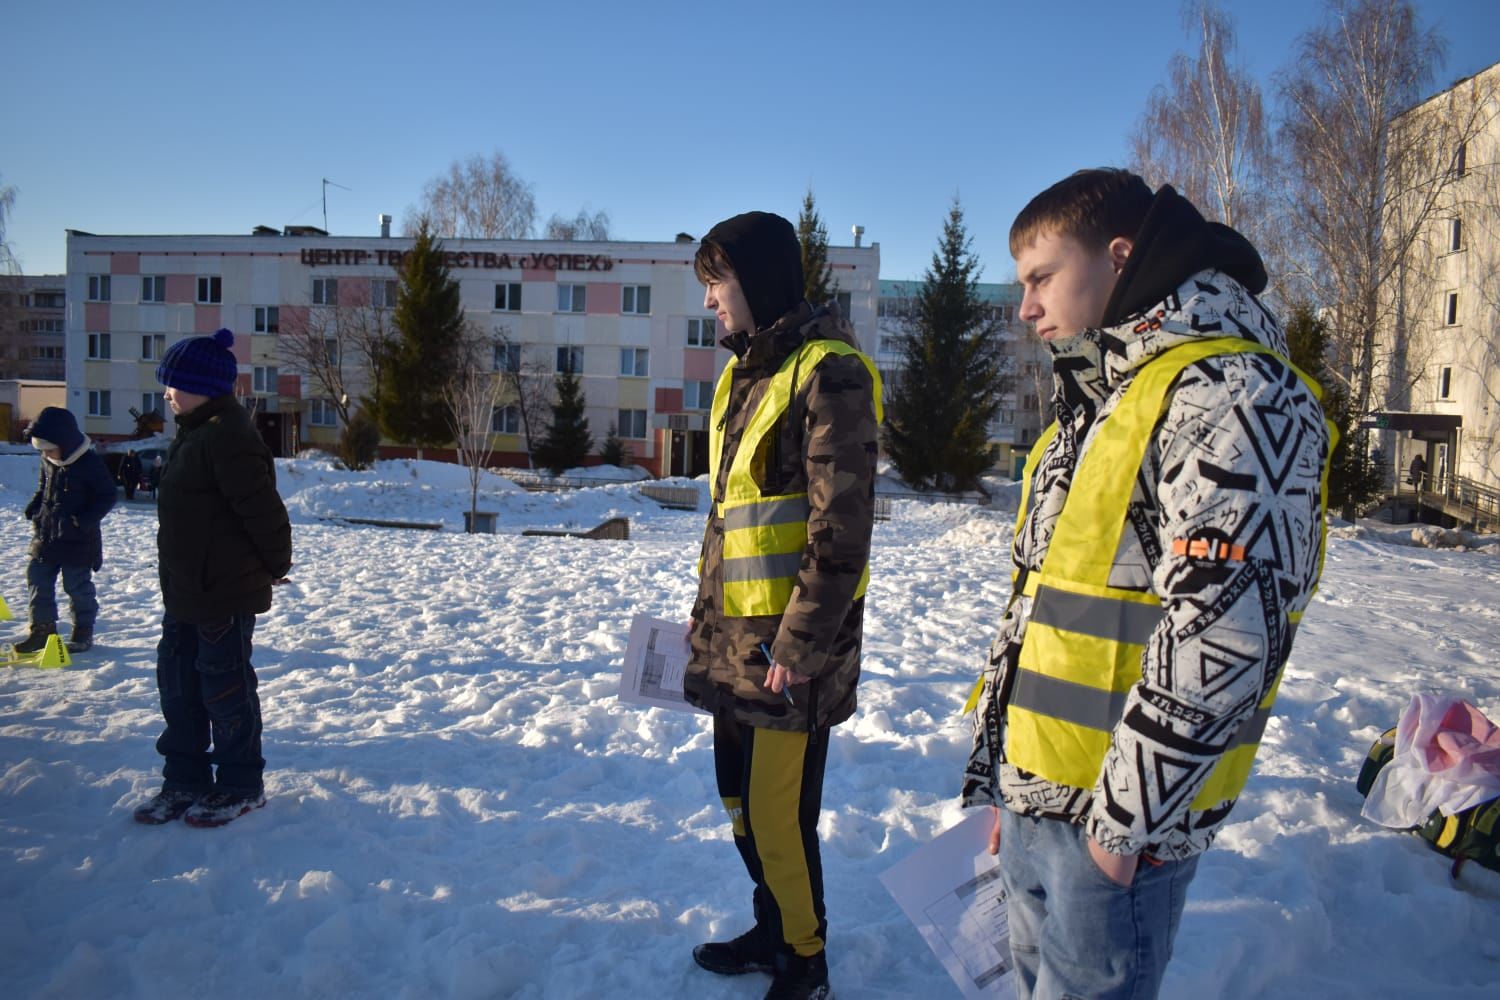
(460, 807)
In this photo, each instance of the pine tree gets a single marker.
(953, 376)
(817, 276)
(1355, 477)
(418, 363)
(568, 441)
(614, 451)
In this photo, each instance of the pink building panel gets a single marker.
(181, 288)
(96, 317)
(207, 319)
(124, 263)
(698, 364)
(241, 348)
(289, 385)
(603, 299)
(538, 274)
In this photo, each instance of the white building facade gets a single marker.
(629, 316)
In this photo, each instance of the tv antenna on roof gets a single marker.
(341, 187)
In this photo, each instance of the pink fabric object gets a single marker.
(1447, 758)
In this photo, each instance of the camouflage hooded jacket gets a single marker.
(1239, 454)
(825, 444)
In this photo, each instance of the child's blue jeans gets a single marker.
(1073, 931)
(207, 688)
(41, 592)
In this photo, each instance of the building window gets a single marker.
(153, 346)
(321, 413)
(634, 361)
(47, 354)
(382, 293)
(98, 288)
(1007, 417)
(508, 296)
(98, 347)
(1461, 160)
(263, 379)
(42, 326)
(1455, 235)
(1450, 309)
(211, 290)
(635, 299)
(325, 291)
(505, 420)
(47, 300)
(846, 303)
(700, 332)
(153, 288)
(890, 343)
(572, 298)
(570, 359)
(330, 351)
(267, 319)
(508, 358)
(99, 403)
(697, 395)
(632, 424)
(1030, 403)
(1445, 383)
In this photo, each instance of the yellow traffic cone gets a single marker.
(55, 655)
(5, 614)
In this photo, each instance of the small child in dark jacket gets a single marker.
(74, 492)
(223, 539)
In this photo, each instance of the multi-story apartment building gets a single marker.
(628, 315)
(32, 326)
(1016, 427)
(1443, 399)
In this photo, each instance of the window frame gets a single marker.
(628, 432)
(266, 319)
(572, 349)
(99, 290)
(100, 404)
(213, 286)
(501, 416)
(260, 376)
(638, 360)
(153, 346)
(631, 298)
(578, 295)
(99, 347)
(511, 294)
(704, 323)
(153, 288)
(320, 290)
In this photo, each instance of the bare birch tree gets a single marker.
(478, 198)
(582, 226)
(527, 380)
(1205, 131)
(471, 395)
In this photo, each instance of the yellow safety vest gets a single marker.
(1084, 640)
(765, 536)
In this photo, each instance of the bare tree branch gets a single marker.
(477, 198)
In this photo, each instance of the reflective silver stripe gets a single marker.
(772, 567)
(766, 513)
(1076, 703)
(1101, 617)
(1097, 709)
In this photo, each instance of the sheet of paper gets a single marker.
(952, 891)
(655, 661)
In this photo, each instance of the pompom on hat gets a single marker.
(201, 365)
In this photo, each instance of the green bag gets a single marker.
(1471, 835)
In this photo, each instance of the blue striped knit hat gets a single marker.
(201, 365)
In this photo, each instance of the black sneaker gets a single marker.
(218, 808)
(163, 807)
(746, 953)
(798, 978)
(82, 639)
(37, 640)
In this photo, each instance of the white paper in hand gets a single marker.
(655, 662)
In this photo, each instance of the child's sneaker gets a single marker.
(165, 806)
(218, 808)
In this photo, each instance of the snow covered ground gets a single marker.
(461, 808)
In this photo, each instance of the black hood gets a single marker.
(58, 426)
(762, 248)
(1173, 244)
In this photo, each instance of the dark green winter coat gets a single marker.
(223, 532)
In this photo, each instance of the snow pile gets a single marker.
(460, 807)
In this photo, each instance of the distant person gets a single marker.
(223, 540)
(74, 492)
(778, 621)
(1170, 542)
(130, 473)
(153, 476)
(1418, 472)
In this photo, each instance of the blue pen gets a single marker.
(786, 689)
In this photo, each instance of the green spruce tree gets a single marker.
(614, 450)
(567, 442)
(817, 276)
(954, 373)
(418, 362)
(1355, 477)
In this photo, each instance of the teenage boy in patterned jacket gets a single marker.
(779, 617)
(1170, 539)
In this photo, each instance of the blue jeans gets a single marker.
(41, 592)
(1073, 931)
(207, 688)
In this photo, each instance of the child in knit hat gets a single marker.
(223, 539)
(74, 492)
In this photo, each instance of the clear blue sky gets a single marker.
(198, 117)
